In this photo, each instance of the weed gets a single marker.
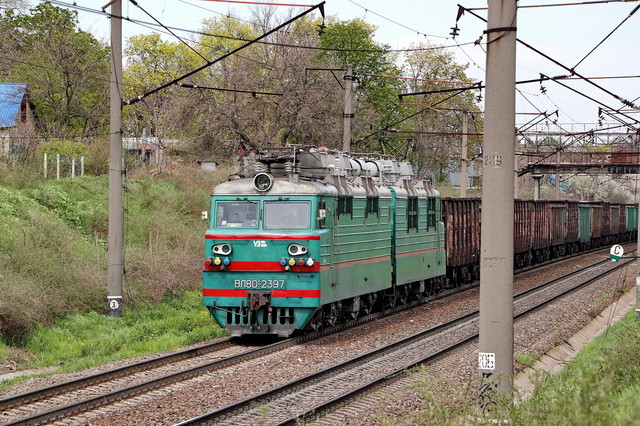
(526, 360)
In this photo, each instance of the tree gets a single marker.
(14, 4)
(432, 69)
(264, 97)
(376, 106)
(66, 70)
(152, 62)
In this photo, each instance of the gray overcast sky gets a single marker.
(566, 34)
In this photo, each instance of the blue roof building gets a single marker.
(16, 118)
(12, 98)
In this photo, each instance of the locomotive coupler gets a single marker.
(258, 300)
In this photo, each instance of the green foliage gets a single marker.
(83, 340)
(63, 147)
(223, 34)
(351, 43)
(53, 237)
(599, 387)
(66, 69)
(527, 360)
(44, 265)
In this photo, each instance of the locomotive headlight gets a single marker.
(217, 261)
(283, 261)
(301, 262)
(310, 261)
(226, 261)
(263, 182)
(223, 249)
(297, 249)
(292, 261)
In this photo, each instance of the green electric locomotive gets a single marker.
(312, 237)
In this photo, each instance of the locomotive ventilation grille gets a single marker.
(242, 316)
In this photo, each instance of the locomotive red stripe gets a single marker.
(224, 292)
(295, 293)
(251, 266)
(261, 237)
(232, 292)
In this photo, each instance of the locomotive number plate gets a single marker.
(259, 284)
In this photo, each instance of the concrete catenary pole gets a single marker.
(495, 358)
(115, 265)
(348, 109)
(463, 154)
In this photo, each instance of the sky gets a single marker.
(565, 33)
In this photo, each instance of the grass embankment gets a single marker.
(53, 242)
(601, 386)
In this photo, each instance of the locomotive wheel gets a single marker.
(366, 304)
(390, 301)
(317, 320)
(332, 315)
(403, 295)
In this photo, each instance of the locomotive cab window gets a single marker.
(237, 214)
(286, 215)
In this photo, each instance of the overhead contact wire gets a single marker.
(608, 35)
(135, 3)
(209, 63)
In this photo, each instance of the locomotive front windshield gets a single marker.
(237, 214)
(279, 215)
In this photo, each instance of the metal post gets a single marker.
(348, 112)
(495, 358)
(638, 267)
(557, 185)
(115, 265)
(536, 186)
(463, 154)
(45, 165)
(82, 166)
(57, 166)
(73, 167)
(515, 171)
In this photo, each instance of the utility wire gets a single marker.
(394, 22)
(584, 3)
(608, 35)
(209, 63)
(135, 3)
(573, 72)
(148, 24)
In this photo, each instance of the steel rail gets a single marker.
(54, 390)
(42, 394)
(92, 403)
(315, 412)
(322, 409)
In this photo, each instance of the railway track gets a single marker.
(72, 398)
(313, 396)
(91, 392)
